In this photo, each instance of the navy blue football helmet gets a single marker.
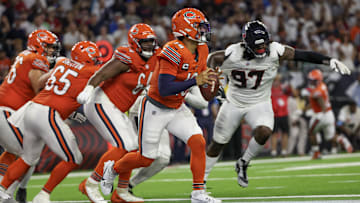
(256, 38)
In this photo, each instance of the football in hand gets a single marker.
(210, 91)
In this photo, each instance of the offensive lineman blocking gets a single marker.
(43, 119)
(20, 85)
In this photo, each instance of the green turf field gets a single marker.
(335, 177)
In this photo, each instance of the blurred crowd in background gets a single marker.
(331, 27)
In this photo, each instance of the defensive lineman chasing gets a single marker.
(251, 66)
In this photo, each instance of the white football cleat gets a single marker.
(107, 181)
(42, 197)
(200, 196)
(240, 168)
(91, 190)
(3, 195)
(123, 195)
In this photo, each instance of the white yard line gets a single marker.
(231, 163)
(320, 166)
(258, 198)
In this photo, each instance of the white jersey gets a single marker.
(350, 120)
(250, 81)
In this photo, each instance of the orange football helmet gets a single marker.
(86, 52)
(40, 40)
(191, 23)
(139, 34)
(315, 77)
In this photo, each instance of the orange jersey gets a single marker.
(319, 91)
(16, 89)
(123, 89)
(67, 80)
(185, 66)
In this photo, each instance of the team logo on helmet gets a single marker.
(134, 31)
(190, 15)
(90, 50)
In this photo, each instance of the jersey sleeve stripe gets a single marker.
(170, 57)
(175, 52)
(122, 59)
(122, 54)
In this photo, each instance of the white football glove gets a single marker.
(76, 116)
(339, 66)
(85, 95)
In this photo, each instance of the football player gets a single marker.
(20, 85)
(182, 64)
(251, 66)
(192, 98)
(125, 76)
(43, 119)
(323, 119)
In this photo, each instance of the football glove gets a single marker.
(76, 116)
(221, 96)
(85, 95)
(339, 66)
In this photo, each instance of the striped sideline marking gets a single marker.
(257, 198)
(320, 166)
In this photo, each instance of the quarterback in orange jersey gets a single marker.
(21, 85)
(323, 118)
(125, 76)
(182, 64)
(43, 119)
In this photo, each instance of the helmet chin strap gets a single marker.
(146, 54)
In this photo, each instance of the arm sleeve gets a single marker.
(167, 84)
(312, 57)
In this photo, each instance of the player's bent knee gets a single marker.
(163, 161)
(145, 162)
(197, 142)
(262, 134)
(78, 159)
(214, 149)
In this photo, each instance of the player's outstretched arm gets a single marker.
(314, 57)
(111, 69)
(215, 59)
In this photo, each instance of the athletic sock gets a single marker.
(197, 160)
(252, 150)
(15, 171)
(58, 174)
(114, 153)
(210, 163)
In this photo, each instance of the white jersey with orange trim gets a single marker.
(250, 81)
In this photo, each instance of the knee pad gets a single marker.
(262, 134)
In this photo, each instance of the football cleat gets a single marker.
(3, 195)
(200, 196)
(21, 195)
(316, 155)
(240, 168)
(42, 197)
(107, 181)
(91, 190)
(123, 195)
